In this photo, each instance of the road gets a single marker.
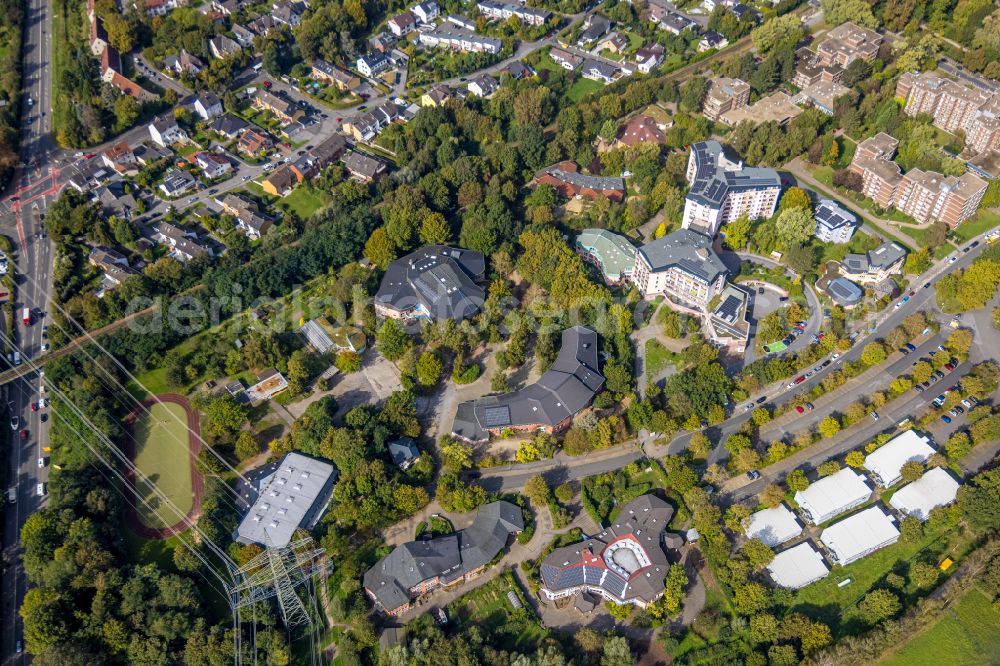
(563, 467)
(32, 262)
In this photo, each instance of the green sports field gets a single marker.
(967, 634)
(161, 454)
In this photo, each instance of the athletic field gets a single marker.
(162, 456)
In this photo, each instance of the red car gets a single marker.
(267, 85)
(800, 379)
(799, 409)
(34, 406)
(949, 367)
(24, 435)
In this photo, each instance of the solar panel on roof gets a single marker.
(728, 309)
(496, 416)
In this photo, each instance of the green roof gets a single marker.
(614, 253)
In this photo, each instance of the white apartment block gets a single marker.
(503, 11)
(460, 41)
(683, 267)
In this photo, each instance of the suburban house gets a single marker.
(283, 108)
(426, 11)
(207, 105)
(120, 158)
(183, 244)
(113, 264)
(221, 46)
(404, 452)
(712, 40)
(612, 254)
(667, 19)
(625, 563)
(363, 167)
(503, 11)
(165, 131)
(595, 26)
(565, 59)
(176, 182)
(569, 182)
(433, 283)
(367, 126)
(282, 181)
(228, 126)
(213, 165)
(244, 36)
(457, 40)
(415, 568)
(548, 405)
(291, 494)
(402, 24)
(373, 63)
(640, 129)
(723, 190)
(436, 96)
(288, 13)
(615, 42)
(254, 141)
(249, 218)
(183, 63)
(324, 71)
(683, 267)
(483, 86)
(598, 70)
(649, 58)
(874, 266)
(460, 21)
(115, 200)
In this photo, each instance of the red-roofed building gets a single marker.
(640, 129)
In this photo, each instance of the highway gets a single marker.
(32, 260)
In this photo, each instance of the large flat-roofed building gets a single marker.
(874, 266)
(549, 404)
(723, 190)
(723, 95)
(859, 535)
(505, 10)
(833, 495)
(773, 526)
(417, 567)
(626, 563)
(833, 223)
(566, 178)
(809, 69)
(682, 266)
(289, 495)
(777, 107)
(935, 488)
(886, 462)
(458, 40)
(822, 95)
(433, 283)
(797, 567)
(728, 323)
(954, 106)
(614, 255)
(880, 176)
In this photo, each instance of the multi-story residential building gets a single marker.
(649, 58)
(810, 70)
(324, 71)
(683, 267)
(920, 194)
(778, 107)
(221, 46)
(822, 95)
(457, 40)
(569, 182)
(723, 190)
(505, 10)
(402, 24)
(433, 283)
(373, 64)
(613, 255)
(953, 107)
(426, 11)
(847, 43)
(833, 223)
(724, 94)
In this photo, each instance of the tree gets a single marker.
(873, 354)
(737, 233)
(225, 414)
(979, 500)
(777, 33)
(763, 628)
(434, 230)
(878, 605)
(912, 470)
(794, 197)
(617, 651)
(796, 480)
(379, 249)
(829, 427)
(772, 495)
(922, 575)
(392, 340)
(751, 598)
(692, 91)
(760, 416)
(429, 369)
(247, 446)
(455, 455)
(836, 12)
(564, 492)
(348, 361)
(794, 226)
(958, 445)
(537, 490)
(758, 554)
(855, 459)
(829, 468)
(699, 445)
(910, 530)
(782, 655)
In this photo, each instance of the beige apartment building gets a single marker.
(846, 43)
(953, 107)
(723, 95)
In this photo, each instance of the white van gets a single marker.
(40, 490)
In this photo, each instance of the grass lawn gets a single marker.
(490, 606)
(983, 221)
(161, 446)
(545, 62)
(658, 357)
(302, 202)
(582, 88)
(968, 633)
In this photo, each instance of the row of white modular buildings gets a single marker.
(862, 533)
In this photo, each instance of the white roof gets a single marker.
(798, 566)
(935, 488)
(856, 535)
(887, 460)
(773, 526)
(834, 494)
(284, 498)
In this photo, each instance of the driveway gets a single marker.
(376, 381)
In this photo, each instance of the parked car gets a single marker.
(810, 406)
(946, 418)
(762, 399)
(875, 416)
(753, 475)
(910, 347)
(967, 403)
(800, 409)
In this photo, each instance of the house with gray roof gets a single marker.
(614, 255)
(417, 567)
(834, 224)
(875, 265)
(626, 563)
(549, 404)
(433, 283)
(844, 292)
(567, 180)
(403, 452)
(682, 266)
(723, 189)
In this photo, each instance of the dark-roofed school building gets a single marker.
(723, 190)
(433, 283)
(549, 404)
(625, 563)
(417, 567)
